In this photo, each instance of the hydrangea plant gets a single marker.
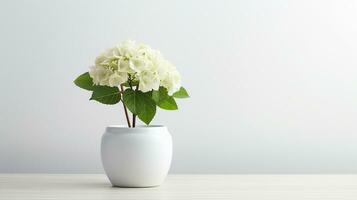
(136, 75)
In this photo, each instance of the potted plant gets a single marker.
(141, 79)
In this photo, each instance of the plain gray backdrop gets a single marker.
(273, 84)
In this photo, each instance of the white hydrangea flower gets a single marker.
(100, 75)
(148, 81)
(124, 66)
(138, 64)
(139, 61)
(127, 48)
(118, 78)
(172, 82)
(104, 58)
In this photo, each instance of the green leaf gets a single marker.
(84, 81)
(163, 100)
(155, 96)
(106, 95)
(182, 93)
(133, 83)
(168, 104)
(141, 104)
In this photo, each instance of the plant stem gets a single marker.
(134, 116)
(134, 120)
(129, 81)
(125, 109)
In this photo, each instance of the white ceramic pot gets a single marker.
(136, 157)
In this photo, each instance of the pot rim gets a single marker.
(138, 126)
(119, 128)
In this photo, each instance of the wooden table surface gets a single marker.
(181, 187)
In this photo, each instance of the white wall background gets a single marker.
(273, 83)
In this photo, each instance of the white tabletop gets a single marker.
(181, 187)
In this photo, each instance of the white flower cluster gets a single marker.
(139, 63)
